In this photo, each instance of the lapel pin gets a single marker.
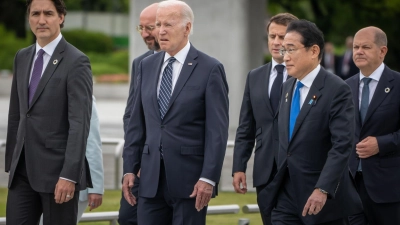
(310, 102)
(55, 62)
(190, 64)
(387, 90)
(314, 99)
(286, 96)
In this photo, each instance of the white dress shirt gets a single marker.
(307, 81)
(273, 74)
(48, 52)
(375, 76)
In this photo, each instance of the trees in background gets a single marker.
(341, 18)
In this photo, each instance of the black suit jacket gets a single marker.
(129, 103)
(194, 130)
(53, 130)
(317, 155)
(257, 122)
(353, 69)
(381, 171)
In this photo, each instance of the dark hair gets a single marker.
(281, 19)
(310, 34)
(59, 4)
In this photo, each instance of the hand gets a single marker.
(94, 200)
(315, 203)
(138, 174)
(367, 147)
(202, 191)
(64, 191)
(127, 185)
(239, 178)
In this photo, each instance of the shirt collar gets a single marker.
(376, 75)
(181, 55)
(274, 63)
(309, 78)
(50, 47)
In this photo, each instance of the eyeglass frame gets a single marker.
(283, 51)
(148, 29)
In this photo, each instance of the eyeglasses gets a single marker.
(148, 29)
(289, 51)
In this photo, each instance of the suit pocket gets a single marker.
(146, 149)
(389, 162)
(192, 150)
(190, 88)
(258, 144)
(258, 132)
(56, 144)
(53, 82)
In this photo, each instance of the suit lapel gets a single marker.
(187, 69)
(156, 72)
(286, 102)
(26, 72)
(355, 86)
(380, 94)
(315, 88)
(54, 61)
(266, 73)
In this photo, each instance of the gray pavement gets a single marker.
(111, 101)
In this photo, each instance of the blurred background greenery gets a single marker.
(109, 54)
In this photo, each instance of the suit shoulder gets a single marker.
(353, 79)
(260, 70)
(73, 51)
(141, 57)
(203, 57)
(25, 50)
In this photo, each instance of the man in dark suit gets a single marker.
(179, 134)
(329, 60)
(316, 128)
(147, 29)
(257, 115)
(347, 68)
(375, 161)
(48, 125)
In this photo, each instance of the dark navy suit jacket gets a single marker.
(381, 171)
(194, 130)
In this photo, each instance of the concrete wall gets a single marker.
(230, 30)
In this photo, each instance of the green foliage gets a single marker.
(99, 5)
(9, 46)
(111, 63)
(341, 18)
(89, 41)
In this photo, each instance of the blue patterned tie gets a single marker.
(36, 75)
(295, 108)
(165, 88)
(364, 106)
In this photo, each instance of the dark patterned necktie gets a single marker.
(276, 88)
(364, 106)
(165, 88)
(36, 75)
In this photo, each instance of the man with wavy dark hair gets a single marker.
(48, 123)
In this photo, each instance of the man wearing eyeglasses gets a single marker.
(259, 113)
(149, 33)
(316, 130)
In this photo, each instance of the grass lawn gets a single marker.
(112, 197)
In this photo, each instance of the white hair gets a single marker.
(186, 12)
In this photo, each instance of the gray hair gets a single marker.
(186, 12)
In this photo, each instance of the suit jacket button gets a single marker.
(289, 154)
(162, 126)
(28, 115)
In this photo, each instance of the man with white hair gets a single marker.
(179, 134)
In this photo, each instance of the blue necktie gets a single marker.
(36, 75)
(364, 105)
(165, 88)
(276, 88)
(295, 108)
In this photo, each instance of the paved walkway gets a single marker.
(111, 101)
